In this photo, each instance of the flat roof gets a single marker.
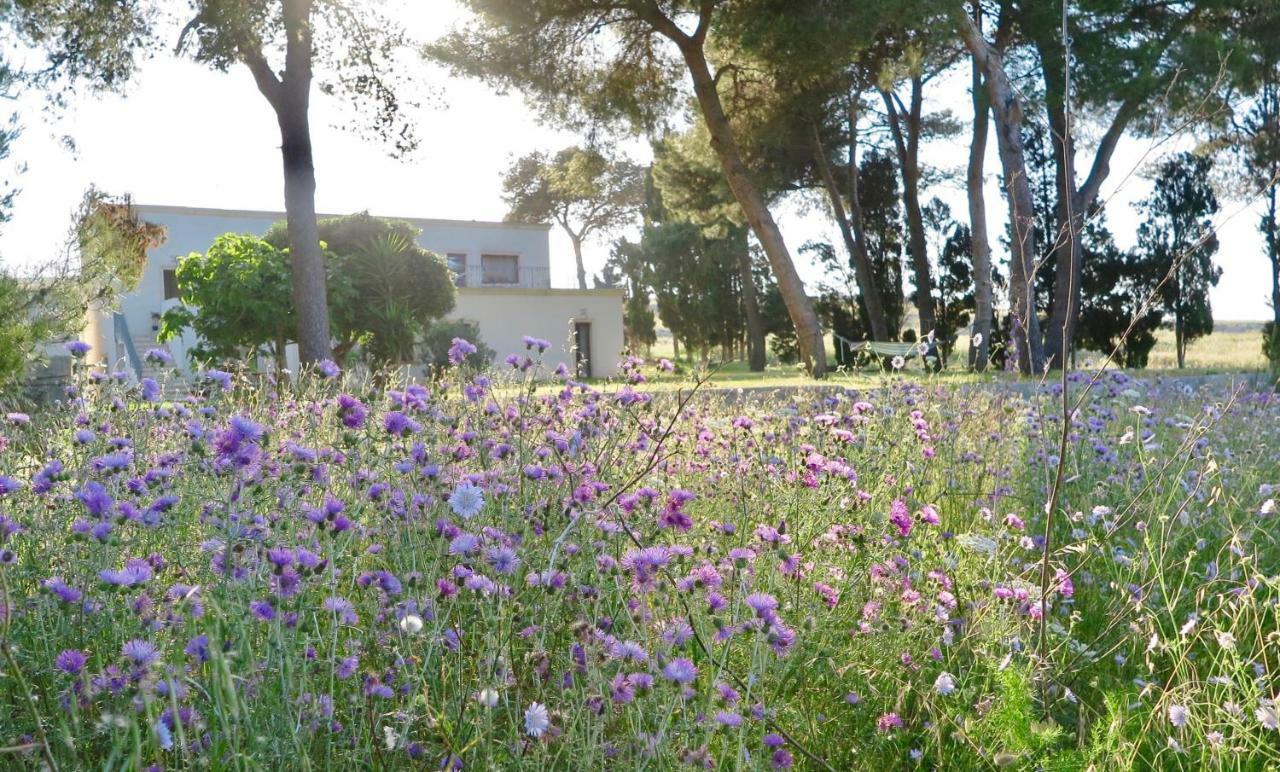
(266, 214)
(557, 291)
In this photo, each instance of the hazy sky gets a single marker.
(185, 135)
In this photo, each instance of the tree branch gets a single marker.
(268, 83)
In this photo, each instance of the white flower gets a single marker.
(977, 339)
(411, 624)
(945, 683)
(466, 500)
(1190, 625)
(1215, 738)
(1225, 639)
(1178, 715)
(898, 363)
(1268, 508)
(1267, 716)
(487, 697)
(536, 719)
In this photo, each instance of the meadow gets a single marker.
(483, 573)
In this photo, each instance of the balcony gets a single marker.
(526, 277)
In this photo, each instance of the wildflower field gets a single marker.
(479, 574)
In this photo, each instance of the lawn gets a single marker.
(1234, 347)
(478, 573)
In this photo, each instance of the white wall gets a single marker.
(194, 230)
(505, 316)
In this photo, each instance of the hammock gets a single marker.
(886, 349)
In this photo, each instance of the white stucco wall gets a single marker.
(194, 230)
(505, 316)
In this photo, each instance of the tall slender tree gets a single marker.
(281, 43)
(1179, 241)
(1123, 67)
(621, 59)
(1006, 108)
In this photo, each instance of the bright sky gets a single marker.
(186, 135)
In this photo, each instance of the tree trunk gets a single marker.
(577, 256)
(289, 95)
(282, 360)
(907, 143)
(751, 308)
(1273, 252)
(1067, 248)
(856, 247)
(1179, 340)
(1007, 110)
(748, 196)
(980, 245)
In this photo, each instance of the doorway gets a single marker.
(582, 348)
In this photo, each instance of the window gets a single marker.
(171, 284)
(499, 269)
(458, 265)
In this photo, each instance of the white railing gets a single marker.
(527, 277)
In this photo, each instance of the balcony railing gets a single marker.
(527, 277)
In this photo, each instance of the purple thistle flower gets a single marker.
(900, 517)
(140, 652)
(136, 571)
(342, 608)
(503, 559)
(219, 377)
(77, 348)
(399, 424)
(8, 485)
(71, 661)
(65, 592)
(681, 671)
(352, 411)
(460, 350)
(158, 356)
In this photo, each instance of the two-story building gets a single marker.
(502, 272)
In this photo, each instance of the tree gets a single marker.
(881, 215)
(686, 185)
(389, 288)
(1118, 313)
(280, 42)
(796, 96)
(620, 59)
(626, 268)
(1129, 66)
(1255, 137)
(583, 190)
(909, 126)
(384, 290)
(979, 242)
(954, 297)
(105, 253)
(1178, 239)
(236, 298)
(1006, 108)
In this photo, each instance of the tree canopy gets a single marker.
(583, 190)
(384, 289)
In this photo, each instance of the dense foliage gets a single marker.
(384, 291)
(478, 572)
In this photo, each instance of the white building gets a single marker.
(502, 270)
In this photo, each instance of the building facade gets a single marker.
(502, 272)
